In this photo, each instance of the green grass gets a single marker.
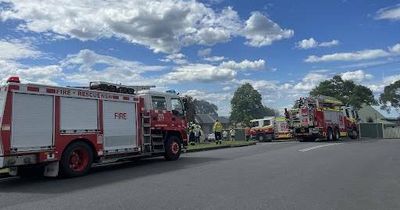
(213, 145)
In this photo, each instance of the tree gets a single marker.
(346, 91)
(391, 96)
(195, 106)
(205, 107)
(246, 105)
(190, 108)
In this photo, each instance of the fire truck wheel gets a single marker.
(336, 135)
(353, 134)
(172, 148)
(330, 134)
(76, 160)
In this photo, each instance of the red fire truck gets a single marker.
(67, 130)
(322, 117)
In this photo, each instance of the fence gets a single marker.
(379, 130)
(391, 132)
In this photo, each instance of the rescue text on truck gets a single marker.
(67, 130)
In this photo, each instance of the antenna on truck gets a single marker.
(118, 88)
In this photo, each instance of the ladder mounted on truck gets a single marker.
(118, 88)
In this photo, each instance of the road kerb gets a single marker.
(220, 147)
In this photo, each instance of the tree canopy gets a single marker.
(205, 107)
(391, 96)
(190, 108)
(195, 106)
(346, 91)
(246, 105)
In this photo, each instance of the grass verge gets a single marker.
(225, 144)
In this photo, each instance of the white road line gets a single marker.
(319, 146)
(5, 179)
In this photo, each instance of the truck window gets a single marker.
(267, 122)
(3, 95)
(177, 107)
(159, 102)
(255, 124)
(347, 113)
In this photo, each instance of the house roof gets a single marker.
(393, 114)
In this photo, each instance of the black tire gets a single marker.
(173, 148)
(260, 137)
(353, 134)
(302, 139)
(329, 135)
(311, 139)
(76, 160)
(336, 135)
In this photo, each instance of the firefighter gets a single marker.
(197, 133)
(217, 131)
(233, 133)
(191, 135)
(225, 135)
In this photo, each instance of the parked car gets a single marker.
(210, 137)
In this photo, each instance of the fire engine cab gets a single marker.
(322, 117)
(262, 129)
(67, 130)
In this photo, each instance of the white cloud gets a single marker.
(11, 51)
(391, 79)
(329, 44)
(357, 76)
(245, 64)
(86, 66)
(357, 55)
(307, 43)
(221, 99)
(395, 49)
(214, 58)
(161, 25)
(227, 88)
(177, 58)
(204, 52)
(226, 71)
(389, 13)
(310, 81)
(261, 31)
(200, 73)
(14, 50)
(312, 43)
(379, 86)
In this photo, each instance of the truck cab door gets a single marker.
(177, 109)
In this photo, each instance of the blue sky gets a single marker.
(203, 48)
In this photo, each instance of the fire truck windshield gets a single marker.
(267, 122)
(255, 124)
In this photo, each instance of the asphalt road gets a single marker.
(281, 175)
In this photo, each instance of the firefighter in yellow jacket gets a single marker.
(217, 128)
